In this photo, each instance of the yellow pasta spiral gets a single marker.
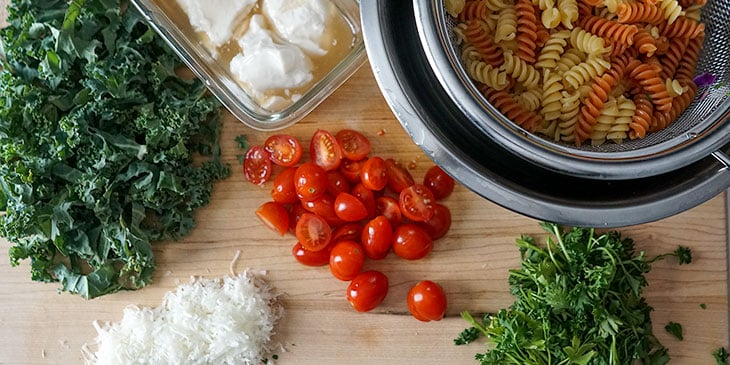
(584, 71)
(520, 70)
(486, 74)
(671, 9)
(553, 48)
(551, 88)
(587, 42)
(506, 25)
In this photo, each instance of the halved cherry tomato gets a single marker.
(349, 208)
(355, 146)
(367, 290)
(324, 206)
(283, 190)
(338, 183)
(257, 165)
(366, 196)
(295, 212)
(311, 258)
(274, 216)
(398, 177)
(411, 242)
(416, 203)
(439, 224)
(351, 170)
(427, 301)
(440, 183)
(346, 260)
(374, 173)
(313, 232)
(347, 232)
(310, 181)
(376, 238)
(390, 208)
(324, 150)
(284, 149)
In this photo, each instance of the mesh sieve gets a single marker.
(698, 131)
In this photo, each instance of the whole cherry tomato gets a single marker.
(439, 224)
(367, 290)
(355, 146)
(313, 232)
(427, 301)
(366, 196)
(440, 183)
(416, 203)
(351, 170)
(390, 208)
(284, 149)
(310, 181)
(411, 242)
(283, 190)
(398, 177)
(349, 208)
(347, 232)
(374, 173)
(376, 238)
(274, 216)
(257, 165)
(346, 260)
(324, 150)
(338, 183)
(311, 258)
(324, 206)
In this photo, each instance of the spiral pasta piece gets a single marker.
(662, 119)
(529, 99)
(669, 61)
(568, 12)
(584, 71)
(686, 69)
(640, 12)
(644, 42)
(542, 32)
(675, 88)
(553, 48)
(522, 72)
(622, 33)
(569, 111)
(641, 119)
(506, 25)
(648, 77)
(620, 129)
(587, 42)
(505, 103)
(551, 95)
(604, 120)
(474, 10)
(612, 5)
(683, 27)
(526, 31)
(486, 74)
(454, 7)
(497, 5)
(670, 9)
(569, 59)
(483, 43)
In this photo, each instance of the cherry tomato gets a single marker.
(349, 208)
(367, 290)
(366, 196)
(440, 183)
(311, 258)
(284, 149)
(295, 213)
(398, 177)
(376, 238)
(347, 232)
(346, 260)
(310, 181)
(416, 203)
(324, 150)
(338, 183)
(313, 232)
(324, 206)
(274, 216)
(439, 224)
(355, 146)
(351, 170)
(390, 208)
(411, 242)
(374, 173)
(257, 165)
(427, 301)
(284, 191)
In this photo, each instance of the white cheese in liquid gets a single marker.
(216, 18)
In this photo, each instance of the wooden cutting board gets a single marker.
(40, 326)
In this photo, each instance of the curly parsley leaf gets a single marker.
(721, 355)
(103, 148)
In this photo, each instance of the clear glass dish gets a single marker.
(211, 63)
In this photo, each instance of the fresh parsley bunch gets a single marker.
(578, 301)
(101, 143)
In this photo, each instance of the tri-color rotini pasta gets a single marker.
(583, 71)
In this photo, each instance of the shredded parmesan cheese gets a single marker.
(206, 321)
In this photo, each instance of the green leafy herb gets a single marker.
(242, 141)
(703, 305)
(721, 355)
(578, 301)
(675, 329)
(103, 148)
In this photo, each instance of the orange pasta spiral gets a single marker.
(686, 69)
(474, 10)
(648, 77)
(670, 60)
(641, 120)
(506, 104)
(526, 31)
(483, 43)
(621, 33)
(639, 13)
(682, 27)
(584, 8)
(644, 42)
(662, 119)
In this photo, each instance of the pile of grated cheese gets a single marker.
(207, 321)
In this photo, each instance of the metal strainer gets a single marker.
(699, 132)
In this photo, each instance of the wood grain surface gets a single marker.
(40, 326)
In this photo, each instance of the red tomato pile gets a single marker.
(345, 207)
